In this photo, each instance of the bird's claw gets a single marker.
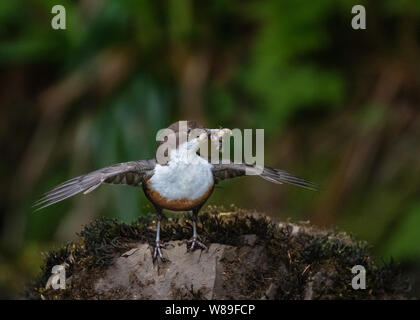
(195, 242)
(158, 250)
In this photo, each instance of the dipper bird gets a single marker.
(183, 181)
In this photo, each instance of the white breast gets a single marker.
(183, 177)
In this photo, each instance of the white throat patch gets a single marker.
(185, 176)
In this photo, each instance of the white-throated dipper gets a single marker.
(181, 182)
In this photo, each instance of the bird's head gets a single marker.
(190, 136)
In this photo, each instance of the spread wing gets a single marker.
(233, 170)
(130, 173)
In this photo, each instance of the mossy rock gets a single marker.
(250, 257)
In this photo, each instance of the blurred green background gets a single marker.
(339, 107)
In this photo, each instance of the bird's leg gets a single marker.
(159, 243)
(195, 239)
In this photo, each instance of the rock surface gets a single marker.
(197, 274)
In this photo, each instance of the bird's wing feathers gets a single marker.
(130, 173)
(233, 170)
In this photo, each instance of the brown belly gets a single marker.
(183, 204)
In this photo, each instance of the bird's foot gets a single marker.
(195, 242)
(158, 250)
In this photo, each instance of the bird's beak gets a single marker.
(216, 136)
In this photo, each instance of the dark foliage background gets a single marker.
(339, 107)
